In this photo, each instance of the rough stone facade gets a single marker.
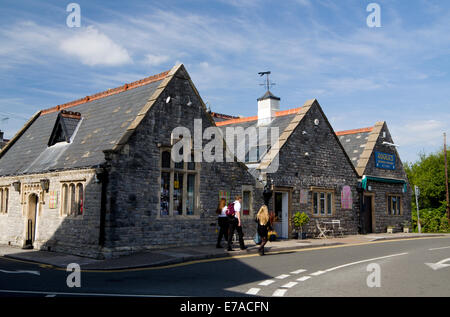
(381, 190)
(312, 158)
(54, 230)
(133, 222)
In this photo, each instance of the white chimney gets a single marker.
(268, 105)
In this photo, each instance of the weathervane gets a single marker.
(268, 84)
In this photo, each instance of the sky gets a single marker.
(324, 49)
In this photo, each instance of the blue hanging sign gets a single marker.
(384, 160)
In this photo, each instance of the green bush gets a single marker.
(431, 220)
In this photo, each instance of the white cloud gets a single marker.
(155, 60)
(95, 48)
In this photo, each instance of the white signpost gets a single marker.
(417, 192)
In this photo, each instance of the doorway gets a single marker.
(367, 219)
(33, 204)
(281, 210)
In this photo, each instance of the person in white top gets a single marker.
(223, 222)
(236, 224)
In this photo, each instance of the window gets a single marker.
(178, 185)
(72, 199)
(4, 195)
(80, 199)
(322, 204)
(65, 200)
(394, 205)
(246, 202)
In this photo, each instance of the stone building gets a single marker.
(307, 164)
(99, 177)
(95, 177)
(386, 194)
(330, 176)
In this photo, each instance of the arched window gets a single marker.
(80, 199)
(65, 199)
(73, 204)
(5, 197)
(1, 200)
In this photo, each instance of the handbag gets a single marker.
(257, 238)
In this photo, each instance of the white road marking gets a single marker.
(318, 273)
(283, 276)
(438, 248)
(51, 295)
(279, 292)
(298, 271)
(439, 265)
(303, 278)
(368, 260)
(21, 272)
(266, 283)
(253, 291)
(289, 285)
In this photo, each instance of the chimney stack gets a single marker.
(268, 105)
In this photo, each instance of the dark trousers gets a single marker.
(234, 226)
(223, 230)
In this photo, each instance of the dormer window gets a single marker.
(65, 127)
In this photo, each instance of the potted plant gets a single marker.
(300, 219)
(406, 226)
(390, 229)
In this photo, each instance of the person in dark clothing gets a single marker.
(236, 224)
(223, 222)
(263, 221)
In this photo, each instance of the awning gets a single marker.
(366, 178)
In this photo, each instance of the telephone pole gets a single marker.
(446, 178)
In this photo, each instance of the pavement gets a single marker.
(165, 257)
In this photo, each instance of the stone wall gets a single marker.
(54, 231)
(324, 166)
(133, 222)
(381, 190)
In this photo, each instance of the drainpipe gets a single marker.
(102, 176)
(360, 191)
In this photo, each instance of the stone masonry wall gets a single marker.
(382, 220)
(325, 166)
(54, 231)
(133, 222)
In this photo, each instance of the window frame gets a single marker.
(249, 189)
(326, 192)
(70, 203)
(185, 171)
(4, 199)
(389, 204)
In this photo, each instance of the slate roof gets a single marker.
(281, 120)
(354, 143)
(105, 118)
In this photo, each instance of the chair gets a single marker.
(322, 230)
(340, 230)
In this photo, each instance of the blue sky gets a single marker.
(321, 49)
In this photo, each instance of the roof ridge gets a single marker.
(106, 93)
(353, 131)
(254, 118)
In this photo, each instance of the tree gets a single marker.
(428, 173)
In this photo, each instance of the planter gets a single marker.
(405, 230)
(390, 229)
